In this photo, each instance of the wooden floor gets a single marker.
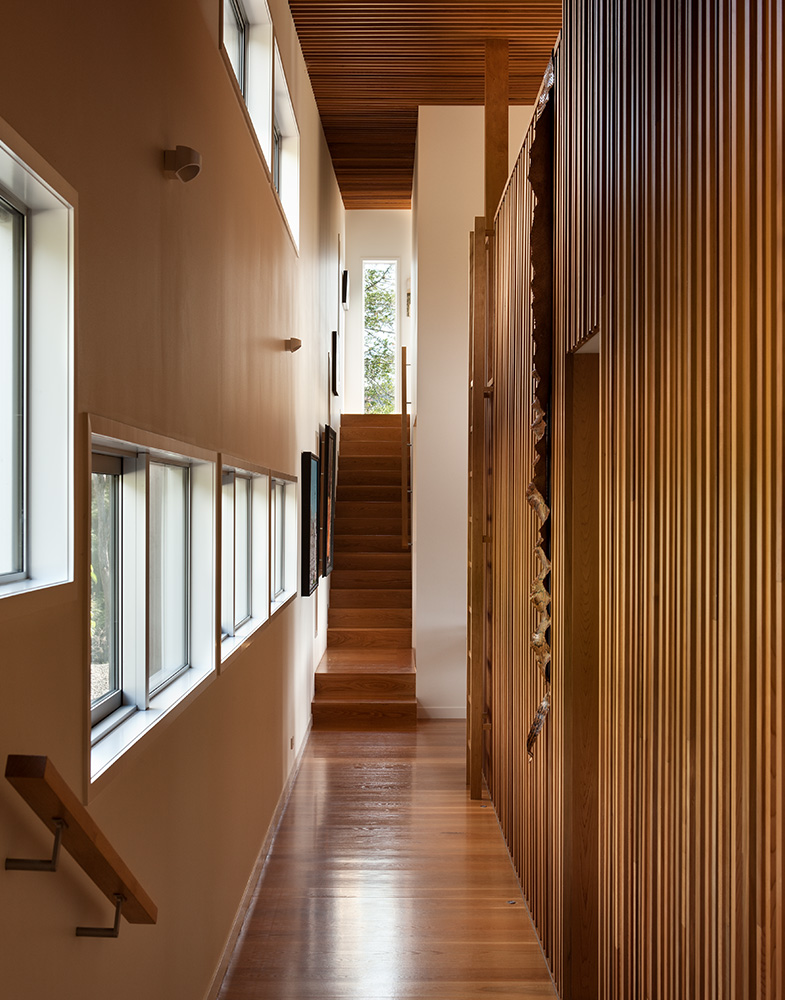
(386, 881)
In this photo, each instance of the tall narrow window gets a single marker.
(236, 41)
(168, 610)
(105, 667)
(279, 538)
(12, 356)
(277, 139)
(241, 538)
(380, 336)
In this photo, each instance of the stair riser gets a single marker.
(369, 494)
(367, 525)
(373, 560)
(370, 618)
(368, 598)
(368, 543)
(361, 433)
(348, 686)
(374, 509)
(369, 463)
(369, 638)
(371, 420)
(374, 449)
(376, 579)
(370, 478)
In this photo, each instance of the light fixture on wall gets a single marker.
(182, 163)
(293, 344)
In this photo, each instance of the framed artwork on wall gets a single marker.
(329, 486)
(309, 538)
(337, 365)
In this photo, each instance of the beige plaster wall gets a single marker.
(185, 294)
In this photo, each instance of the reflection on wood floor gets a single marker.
(386, 881)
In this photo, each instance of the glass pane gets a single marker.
(11, 398)
(278, 539)
(168, 617)
(380, 309)
(227, 556)
(234, 40)
(104, 576)
(242, 550)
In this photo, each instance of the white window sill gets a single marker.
(120, 731)
(281, 601)
(232, 643)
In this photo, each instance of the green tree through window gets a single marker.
(380, 307)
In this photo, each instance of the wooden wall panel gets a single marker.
(670, 253)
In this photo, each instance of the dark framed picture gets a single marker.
(345, 289)
(309, 538)
(337, 366)
(329, 486)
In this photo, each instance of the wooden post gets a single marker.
(476, 549)
(497, 102)
(404, 456)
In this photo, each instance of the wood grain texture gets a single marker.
(387, 881)
(670, 257)
(46, 792)
(359, 682)
(372, 65)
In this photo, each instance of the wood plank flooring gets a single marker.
(386, 881)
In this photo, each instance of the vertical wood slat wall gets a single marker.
(522, 791)
(670, 244)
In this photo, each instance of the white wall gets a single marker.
(382, 234)
(448, 195)
(185, 294)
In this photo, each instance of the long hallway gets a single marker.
(386, 881)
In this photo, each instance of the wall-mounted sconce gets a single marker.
(182, 163)
(345, 289)
(293, 344)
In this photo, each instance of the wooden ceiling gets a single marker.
(373, 62)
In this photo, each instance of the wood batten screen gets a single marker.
(664, 748)
(509, 532)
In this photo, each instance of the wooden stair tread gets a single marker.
(367, 661)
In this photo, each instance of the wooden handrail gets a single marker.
(404, 456)
(50, 798)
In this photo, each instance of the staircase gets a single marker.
(366, 678)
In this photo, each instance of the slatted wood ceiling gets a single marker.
(372, 64)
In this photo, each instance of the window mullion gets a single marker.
(135, 578)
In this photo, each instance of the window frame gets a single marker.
(257, 555)
(144, 705)
(112, 701)
(18, 435)
(242, 25)
(283, 533)
(45, 470)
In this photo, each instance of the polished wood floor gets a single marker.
(386, 881)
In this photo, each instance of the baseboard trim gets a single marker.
(256, 873)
